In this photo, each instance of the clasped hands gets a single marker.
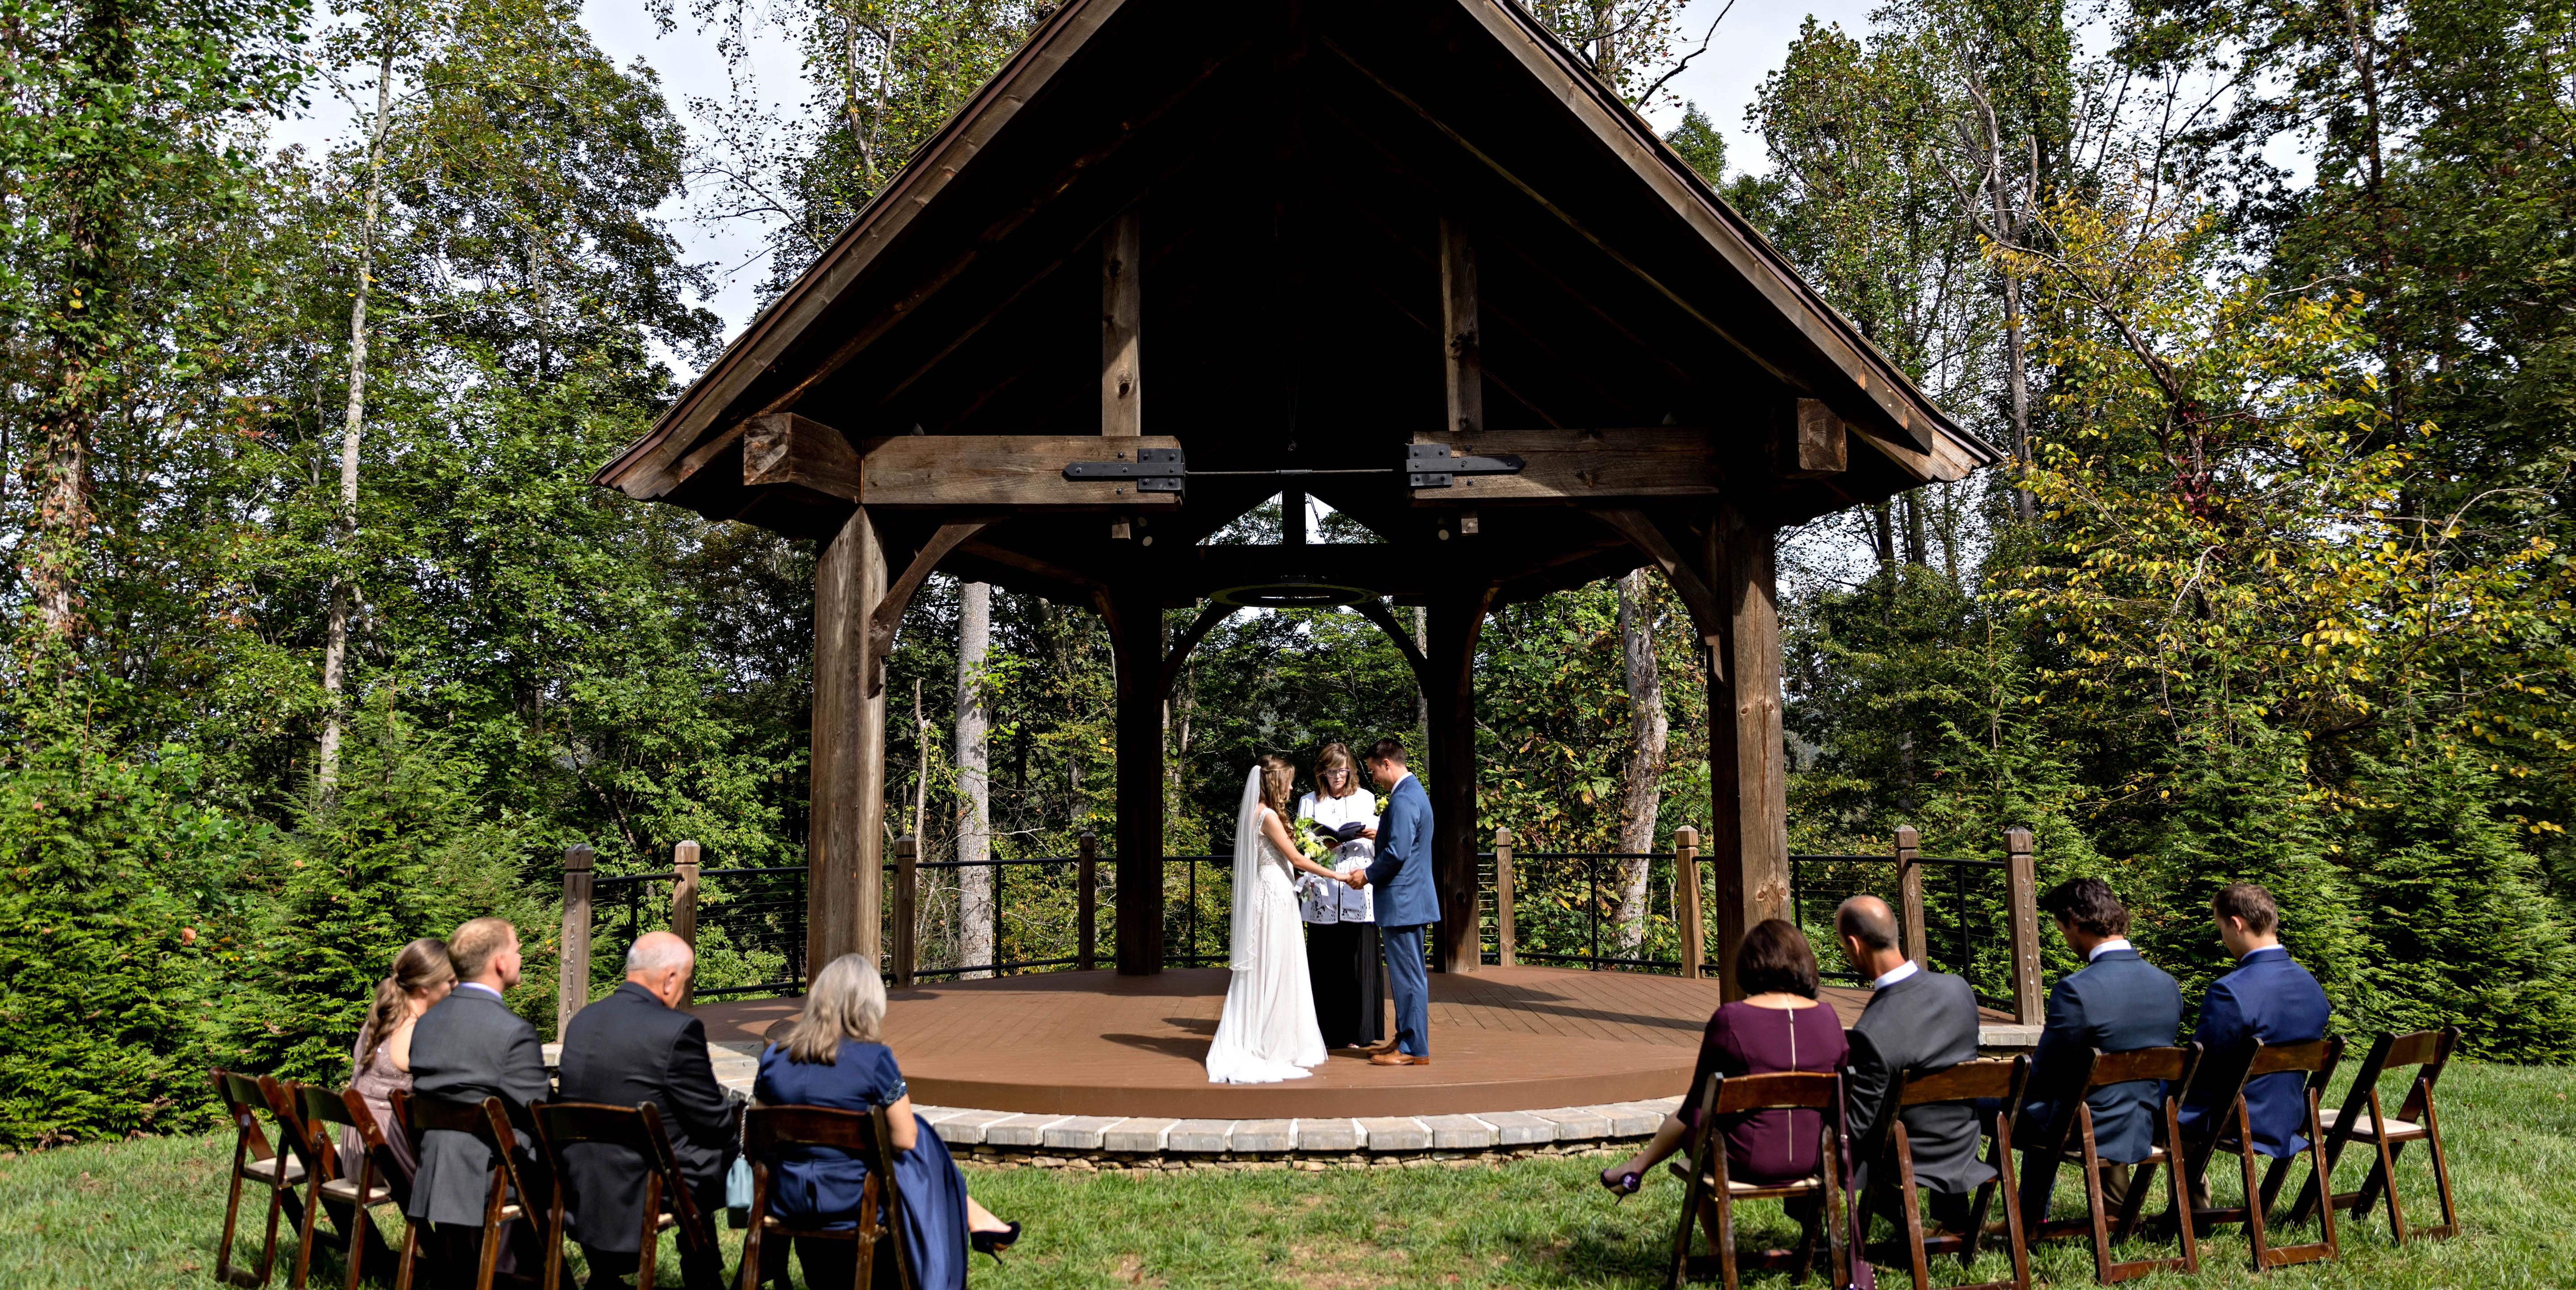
(1357, 878)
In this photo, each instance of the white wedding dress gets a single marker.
(1268, 1031)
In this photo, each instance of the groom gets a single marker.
(1405, 901)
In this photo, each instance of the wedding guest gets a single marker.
(380, 1064)
(467, 1047)
(833, 1057)
(2117, 1002)
(1342, 962)
(2267, 997)
(1777, 1026)
(1917, 1022)
(633, 1047)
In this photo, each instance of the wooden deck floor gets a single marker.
(1096, 1043)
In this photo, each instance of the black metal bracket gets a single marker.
(1155, 470)
(1430, 465)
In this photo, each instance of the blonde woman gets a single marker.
(834, 1058)
(1267, 1032)
(381, 1063)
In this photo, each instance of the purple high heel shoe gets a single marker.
(1623, 1184)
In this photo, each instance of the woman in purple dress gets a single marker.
(1778, 1026)
(381, 1062)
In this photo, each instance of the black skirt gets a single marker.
(1349, 980)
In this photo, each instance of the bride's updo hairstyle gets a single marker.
(1278, 780)
(1336, 756)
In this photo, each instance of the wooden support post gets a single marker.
(1461, 338)
(1136, 633)
(572, 980)
(1909, 886)
(1122, 297)
(684, 905)
(1086, 903)
(845, 845)
(2030, 1008)
(1686, 902)
(1456, 620)
(907, 908)
(1748, 773)
(1506, 942)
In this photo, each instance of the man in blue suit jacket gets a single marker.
(2267, 997)
(1406, 901)
(2117, 1002)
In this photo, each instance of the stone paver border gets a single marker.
(1003, 1132)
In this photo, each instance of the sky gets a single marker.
(1749, 44)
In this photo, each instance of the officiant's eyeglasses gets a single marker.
(1335, 771)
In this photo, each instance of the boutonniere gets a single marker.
(1381, 803)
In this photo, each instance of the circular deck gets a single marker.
(1099, 1044)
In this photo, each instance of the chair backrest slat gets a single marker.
(2422, 1048)
(319, 1105)
(1791, 1090)
(2304, 1058)
(767, 1128)
(1965, 1082)
(2142, 1064)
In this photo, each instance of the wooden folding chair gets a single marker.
(348, 1200)
(769, 1131)
(1966, 1082)
(667, 1202)
(1710, 1197)
(489, 1123)
(2363, 1117)
(254, 1161)
(2228, 1132)
(2174, 1068)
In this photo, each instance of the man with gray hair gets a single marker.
(1917, 1022)
(633, 1047)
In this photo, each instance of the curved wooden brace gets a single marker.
(1376, 611)
(899, 593)
(1707, 613)
(1217, 611)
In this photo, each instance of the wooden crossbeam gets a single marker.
(1819, 445)
(1582, 466)
(782, 449)
(1011, 471)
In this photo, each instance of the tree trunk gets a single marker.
(975, 829)
(1421, 699)
(1642, 778)
(1885, 525)
(2017, 357)
(353, 424)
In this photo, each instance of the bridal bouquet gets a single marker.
(1320, 841)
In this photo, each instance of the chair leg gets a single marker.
(1679, 1272)
(362, 1228)
(747, 1277)
(1721, 1211)
(232, 1213)
(1912, 1207)
(488, 1266)
(2441, 1173)
(2317, 1166)
(2093, 1196)
(2017, 1241)
(2253, 1186)
(304, 1229)
(276, 1206)
(410, 1253)
(2177, 1191)
(652, 1232)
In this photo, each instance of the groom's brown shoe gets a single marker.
(1381, 1046)
(1398, 1059)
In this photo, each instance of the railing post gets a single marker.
(684, 905)
(1506, 942)
(572, 984)
(907, 903)
(1086, 903)
(1909, 885)
(2019, 878)
(1686, 901)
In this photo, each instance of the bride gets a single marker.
(1268, 1032)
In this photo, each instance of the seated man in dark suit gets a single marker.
(2117, 1002)
(633, 1047)
(467, 1047)
(2267, 997)
(1917, 1022)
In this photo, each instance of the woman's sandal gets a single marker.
(994, 1243)
(1622, 1185)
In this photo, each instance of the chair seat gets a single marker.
(266, 1170)
(1808, 1183)
(346, 1189)
(2366, 1128)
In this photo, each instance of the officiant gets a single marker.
(1342, 959)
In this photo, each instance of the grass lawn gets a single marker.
(147, 1213)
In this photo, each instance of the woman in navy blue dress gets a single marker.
(832, 1059)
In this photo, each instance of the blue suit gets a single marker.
(2270, 998)
(2117, 1003)
(1405, 901)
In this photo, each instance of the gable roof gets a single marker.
(1492, 84)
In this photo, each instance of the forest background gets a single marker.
(318, 638)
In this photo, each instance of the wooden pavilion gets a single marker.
(1407, 257)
